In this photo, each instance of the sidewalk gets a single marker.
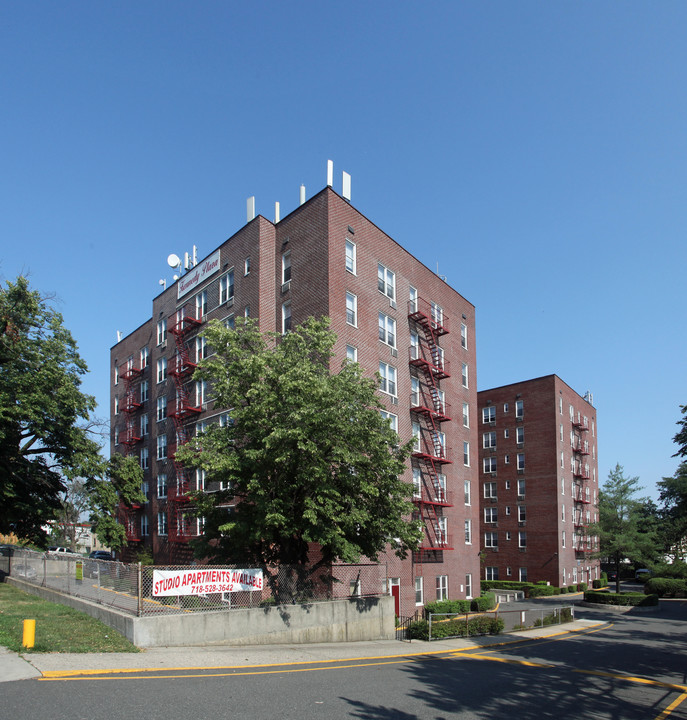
(32, 665)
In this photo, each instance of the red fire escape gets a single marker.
(581, 477)
(129, 516)
(183, 410)
(429, 406)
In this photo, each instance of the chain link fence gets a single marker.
(173, 589)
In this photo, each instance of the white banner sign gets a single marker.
(196, 275)
(199, 581)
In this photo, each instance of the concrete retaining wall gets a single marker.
(344, 620)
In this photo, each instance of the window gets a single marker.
(201, 304)
(414, 392)
(201, 392)
(464, 374)
(522, 513)
(162, 485)
(491, 540)
(562, 538)
(161, 523)
(352, 353)
(225, 420)
(161, 408)
(468, 585)
(505, 408)
(521, 461)
(116, 406)
(412, 299)
(386, 281)
(562, 513)
(144, 458)
(417, 435)
(520, 435)
(201, 348)
(464, 336)
(489, 415)
(352, 309)
(442, 587)
(521, 488)
(466, 454)
(491, 515)
(467, 491)
(466, 415)
(441, 530)
(285, 268)
(522, 574)
(489, 440)
(162, 331)
(144, 526)
(350, 256)
(145, 357)
(200, 479)
(507, 506)
(490, 490)
(286, 318)
(387, 383)
(440, 488)
(522, 539)
(519, 410)
(491, 573)
(417, 482)
(246, 266)
(116, 372)
(387, 330)
(144, 390)
(414, 346)
(144, 425)
(437, 315)
(161, 447)
(418, 591)
(468, 532)
(226, 287)
(508, 536)
(393, 419)
(145, 488)
(161, 369)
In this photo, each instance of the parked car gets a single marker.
(94, 563)
(60, 550)
(612, 576)
(642, 574)
(22, 569)
(101, 555)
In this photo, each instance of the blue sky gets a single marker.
(533, 152)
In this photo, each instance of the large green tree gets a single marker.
(681, 437)
(623, 533)
(673, 527)
(120, 487)
(306, 459)
(44, 415)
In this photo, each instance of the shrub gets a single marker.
(484, 603)
(564, 589)
(582, 586)
(626, 599)
(418, 630)
(666, 587)
(542, 591)
(448, 607)
(671, 570)
(603, 580)
(596, 584)
(554, 618)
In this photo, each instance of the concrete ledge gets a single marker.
(345, 620)
(620, 608)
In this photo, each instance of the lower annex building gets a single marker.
(391, 314)
(538, 483)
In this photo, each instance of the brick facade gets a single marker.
(538, 482)
(430, 347)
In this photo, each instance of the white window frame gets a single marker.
(490, 489)
(144, 458)
(351, 309)
(491, 515)
(393, 419)
(285, 318)
(387, 330)
(442, 587)
(519, 410)
(201, 304)
(161, 445)
(352, 353)
(489, 440)
(145, 357)
(161, 408)
(161, 369)
(386, 281)
(464, 336)
(351, 256)
(162, 524)
(489, 464)
(161, 331)
(488, 415)
(226, 287)
(286, 268)
(491, 539)
(161, 485)
(466, 415)
(388, 377)
(468, 532)
(145, 425)
(464, 377)
(522, 539)
(419, 591)
(412, 299)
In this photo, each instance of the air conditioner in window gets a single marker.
(392, 303)
(163, 345)
(394, 352)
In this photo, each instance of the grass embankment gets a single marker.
(58, 628)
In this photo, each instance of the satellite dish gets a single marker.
(173, 261)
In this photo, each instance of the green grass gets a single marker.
(58, 628)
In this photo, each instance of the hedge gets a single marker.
(481, 625)
(666, 587)
(484, 603)
(626, 599)
(461, 607)
(543, 591)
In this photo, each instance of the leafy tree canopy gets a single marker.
(44, 434)
(673, 514)
(307, 456)
(622, 529)
(121, 485)
(681, 437)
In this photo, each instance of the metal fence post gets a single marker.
(140, 594)
(430, 627)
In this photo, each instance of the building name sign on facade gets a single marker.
(198, 274)
(201, 581)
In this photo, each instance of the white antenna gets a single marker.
(250, 208)
(119, 335)
(163, 282)
(174, 261)
(276, 212)
(330, 173)
(195, 256)
(302, 196)
(187, 261)
(346, 186)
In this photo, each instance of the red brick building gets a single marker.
(538, 477)
(392, 315)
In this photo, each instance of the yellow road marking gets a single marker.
(510, 661)
(671, 707)
(634, 679)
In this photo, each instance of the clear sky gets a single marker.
(535, 153)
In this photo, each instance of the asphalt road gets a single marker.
(627, 668)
